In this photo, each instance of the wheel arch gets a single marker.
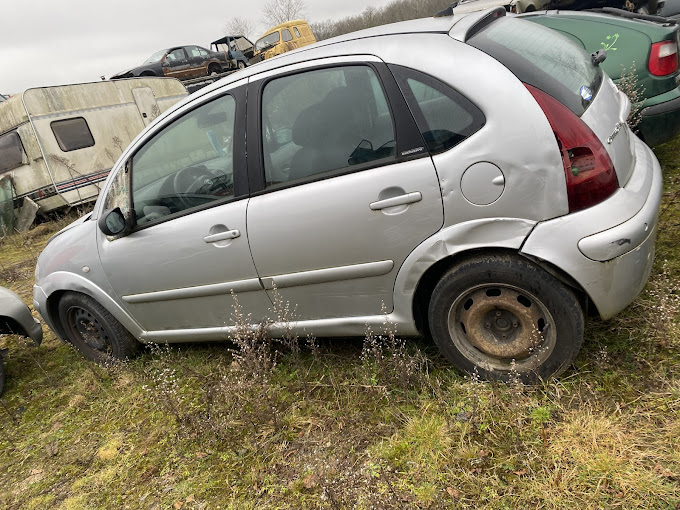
(10, 326)
(430, 278)
(63, 283)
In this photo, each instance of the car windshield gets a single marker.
(267, 40)
(543, 58)
(156, 57)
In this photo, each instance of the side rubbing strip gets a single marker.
(215, 289)
(332, 274)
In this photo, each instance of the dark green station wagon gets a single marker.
(651, 43)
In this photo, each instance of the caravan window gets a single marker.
(72, 134)
(11, 151)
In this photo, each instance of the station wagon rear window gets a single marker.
(543, 58)
(72, 134)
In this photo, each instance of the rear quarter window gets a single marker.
(543, 58)
(444, 116)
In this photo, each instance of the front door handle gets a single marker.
(222, 236)
(408, 198)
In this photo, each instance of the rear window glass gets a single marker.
(543, 58)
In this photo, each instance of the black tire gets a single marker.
(94, 331)
(2, 376)
(214, 69)
(241, 65)
(503, 317)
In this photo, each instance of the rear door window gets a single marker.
(543, 58)
(323, 121)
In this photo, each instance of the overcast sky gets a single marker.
(52, 42)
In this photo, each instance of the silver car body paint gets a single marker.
(151, 289)
(13, 308)
(632, 211)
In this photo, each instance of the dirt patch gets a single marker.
(17, 272)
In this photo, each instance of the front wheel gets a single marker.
(502, 316)
(94, 331)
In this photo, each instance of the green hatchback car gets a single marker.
(649, 41)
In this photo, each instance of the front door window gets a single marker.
(188, 164)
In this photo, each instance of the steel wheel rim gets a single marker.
(500, 327)
(90, 331)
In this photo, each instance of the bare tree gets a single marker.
(239, 26)
(275, 12)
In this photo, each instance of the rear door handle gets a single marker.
(222, 236)
(408, 198)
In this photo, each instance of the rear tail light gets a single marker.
(588, 169)
(663, 59)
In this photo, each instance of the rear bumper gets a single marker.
(660, 120)
(608, 249)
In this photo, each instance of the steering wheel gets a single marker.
(188, 181)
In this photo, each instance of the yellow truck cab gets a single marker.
(282, 38)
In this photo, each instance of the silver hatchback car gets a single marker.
(483, 192)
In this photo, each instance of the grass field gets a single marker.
(373, 423)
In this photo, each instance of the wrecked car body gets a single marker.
(16, 319)
(238, 49)
(364, 183)
(181, 62)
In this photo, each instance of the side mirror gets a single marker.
(112, 222)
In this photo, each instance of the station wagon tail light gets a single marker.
(663, 59)
(589, 170)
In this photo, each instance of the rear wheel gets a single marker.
(503, 317)
(214, 69)
(241, 65)
(94, 331)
